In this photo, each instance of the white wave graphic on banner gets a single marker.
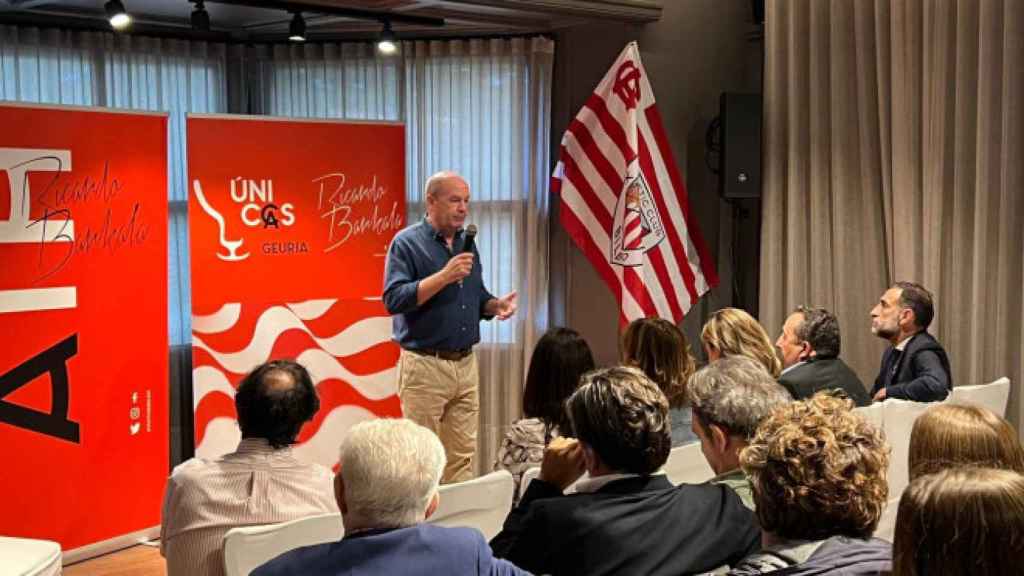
(354, 339)
(219, 321)
(207, 380)
(311, 309)
(322, 366)
(220, 437)
(322, 448)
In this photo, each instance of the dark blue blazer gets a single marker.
(920, 374)
(423, 549)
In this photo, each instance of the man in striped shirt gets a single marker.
(260, 483)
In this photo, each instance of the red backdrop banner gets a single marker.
(289, 226)
(83, 321)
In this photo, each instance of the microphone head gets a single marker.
(471, 231)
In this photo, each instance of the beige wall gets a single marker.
(697, 50)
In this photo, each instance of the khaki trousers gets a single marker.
(442, 395)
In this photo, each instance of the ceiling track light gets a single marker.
(297, 28)
(200, 17)
(117, 15)
(387, 43)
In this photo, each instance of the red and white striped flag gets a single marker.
(623, 200)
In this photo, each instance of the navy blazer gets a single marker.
(421, 550)
(922, 372)
(630, 527)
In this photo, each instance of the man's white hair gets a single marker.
(391, 469)
(436, 182)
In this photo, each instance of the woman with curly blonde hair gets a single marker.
(949, 435)
(734, 332)
(818, 473)
(660, 349)
(961, 521)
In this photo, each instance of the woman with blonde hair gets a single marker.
(949, 435)
(734, 332)
(964, 520)
(660, 349)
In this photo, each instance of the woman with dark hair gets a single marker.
(558, 361)
(961, 520)
(660, 349)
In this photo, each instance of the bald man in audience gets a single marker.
(259, 483)
(626, 518)
(386, 487)
(915, 366)
(730, 398)
(809, 347)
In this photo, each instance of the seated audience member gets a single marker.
(558, 361)
(733, 332)
(819, 475)
(627, 518)
(259, 483)
(730, 398)
(915, 366)
(961, 521)
(385, 488)
(809, 346)
(660, 349)
(950, 435)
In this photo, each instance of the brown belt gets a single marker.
(453, 355)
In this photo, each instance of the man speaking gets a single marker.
(434, 290)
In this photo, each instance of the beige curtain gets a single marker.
(894, 150)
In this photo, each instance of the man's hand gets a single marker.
(563, 462)
(503, 307)
(458, 267)
(880, 395)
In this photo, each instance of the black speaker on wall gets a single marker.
(739, 162)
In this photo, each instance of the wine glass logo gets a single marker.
(232, 246)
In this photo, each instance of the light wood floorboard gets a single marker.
(135, 561)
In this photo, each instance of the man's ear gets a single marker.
(805, 351)
(719, 437)
(907, 315)
(432, 505)
(339, 493)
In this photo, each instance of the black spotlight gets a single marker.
(117, 15)
(387, 43)
(297, 29)
(200, 17)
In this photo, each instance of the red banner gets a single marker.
(83, 318)
(290, 223)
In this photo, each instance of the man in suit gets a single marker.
(730, 398)
(809, 347)
(915, 366)
(386, 487)
(626, 518)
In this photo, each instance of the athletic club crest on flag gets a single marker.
(624, 203)
(638, 227)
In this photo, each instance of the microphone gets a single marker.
(470, 243)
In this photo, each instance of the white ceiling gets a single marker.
(462, 17)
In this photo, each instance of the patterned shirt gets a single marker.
(254, 485)
(523, 448)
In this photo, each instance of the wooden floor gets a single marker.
(135, 561)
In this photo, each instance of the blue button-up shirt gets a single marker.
(450, 320)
